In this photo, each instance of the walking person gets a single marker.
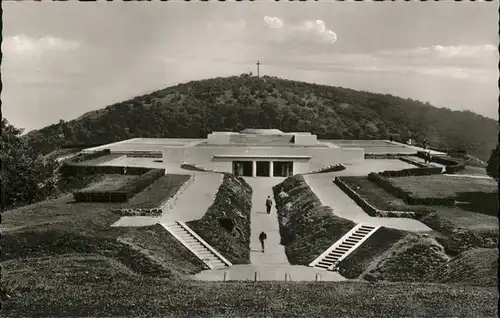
(269, 204)
(262, 238)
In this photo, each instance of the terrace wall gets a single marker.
(320, 157)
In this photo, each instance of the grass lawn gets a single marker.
(378, 197)
(440, 186)
(111, 182)
(98, 286)
(159, 191)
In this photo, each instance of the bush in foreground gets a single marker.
(226, 224)
(307, 227)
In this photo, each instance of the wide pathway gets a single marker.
(261, 221)
(343, 206)
(195, 200)
(272, 265)
(269, 273)
(189, 204)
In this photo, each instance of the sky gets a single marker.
(63, 59)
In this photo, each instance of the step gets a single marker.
(187, 237)
(367, 227)
(325, 261)
(322, 266)
(362, 231)
(201, 249)
(344, 249)
(330, 258)
(336, 254)
(353, 241)
(347, 244)
(360, 236)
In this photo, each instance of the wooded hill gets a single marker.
(196, 108)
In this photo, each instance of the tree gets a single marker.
(26, 176)
(492, 168)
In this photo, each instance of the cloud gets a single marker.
(306, 31)
(444, 52)
(21, 44)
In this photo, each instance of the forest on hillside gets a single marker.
(194, 109)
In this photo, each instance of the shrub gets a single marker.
(425, 171)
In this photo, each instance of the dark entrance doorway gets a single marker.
(242, 168)
(263, 168)
(282, 168)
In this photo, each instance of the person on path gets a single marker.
(269, 204)
(262, 238)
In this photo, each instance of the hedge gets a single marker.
(124, 193)
(73, 170)
(426, 171)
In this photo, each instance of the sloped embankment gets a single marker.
(411, 259)
(149, 251)
(478, 267)
(457, 239)
(369, 252)
(307, 227)
(226, 224)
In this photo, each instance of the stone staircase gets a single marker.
(193, 242)
(347, 244)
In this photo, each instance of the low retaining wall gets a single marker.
(88, 156)
(143, 154)
(452, 165)
(138, 212)
(338, 167)
(368, 208)
(385, 155)
(413, 162)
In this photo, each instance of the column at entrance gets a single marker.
(271, 169)
(254, 168)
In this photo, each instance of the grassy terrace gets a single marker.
(437, 186)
